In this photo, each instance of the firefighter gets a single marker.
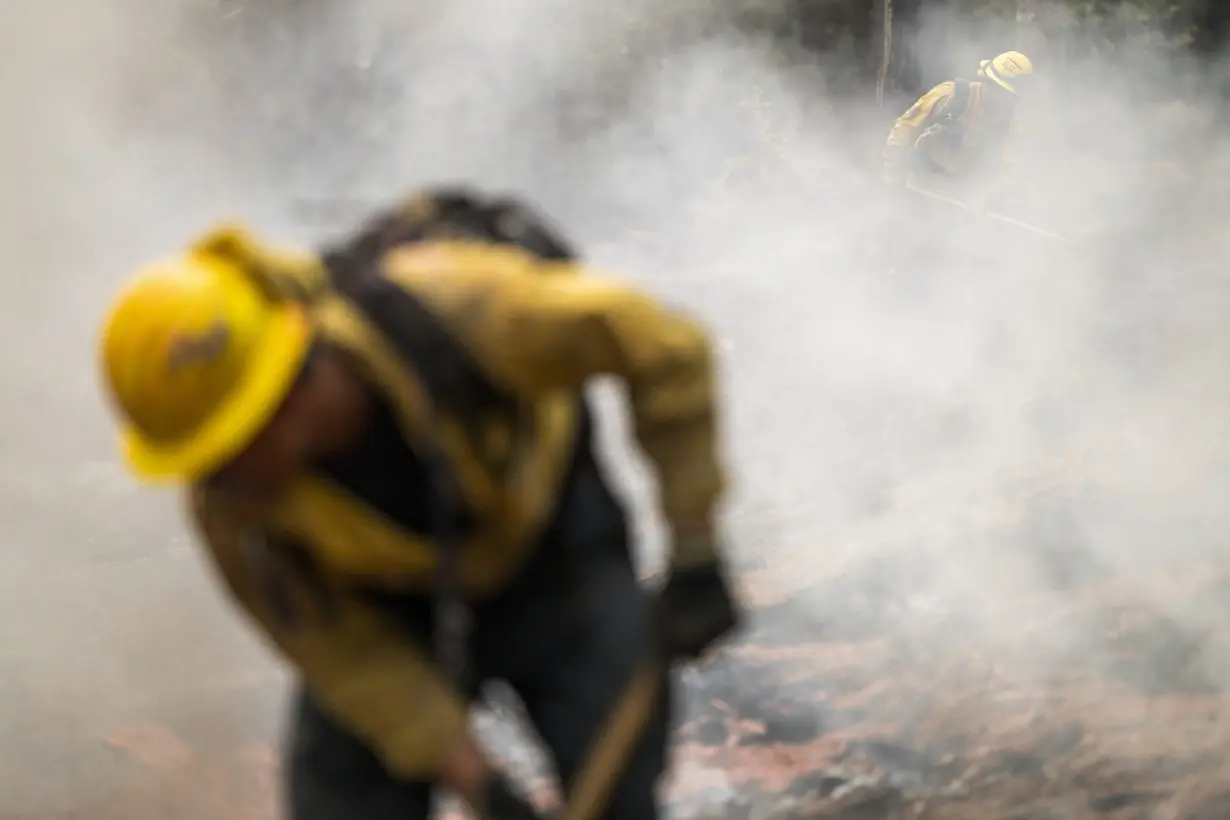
(392, 465)
(961, 127)
(955, 142)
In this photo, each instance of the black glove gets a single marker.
(500, 802)
(697, 610)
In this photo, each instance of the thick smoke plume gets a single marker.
(953, 456)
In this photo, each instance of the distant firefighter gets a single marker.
(961, 128)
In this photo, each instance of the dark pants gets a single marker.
(568, 649)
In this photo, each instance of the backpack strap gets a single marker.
(452, 379)
(960, 100)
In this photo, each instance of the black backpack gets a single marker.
(449, 213)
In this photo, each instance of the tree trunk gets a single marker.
(883, 17)
(1212, 24)
(904, 76)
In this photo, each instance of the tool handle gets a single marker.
(609, 754)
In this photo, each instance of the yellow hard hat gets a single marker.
(1007, 70)
(198, 357)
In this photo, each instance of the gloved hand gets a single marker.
(697, 609)
(499, 801)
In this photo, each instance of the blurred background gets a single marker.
(979, 503)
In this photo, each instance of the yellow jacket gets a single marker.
(305, 568)
(921, 138)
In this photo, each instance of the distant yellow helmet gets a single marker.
(1008, 70)
(198, 356)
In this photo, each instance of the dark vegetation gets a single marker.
(1063, 34)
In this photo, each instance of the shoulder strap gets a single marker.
(456, 388)
(450, 376)
(960, 99)
(455, 384)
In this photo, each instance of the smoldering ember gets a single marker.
(964, 267)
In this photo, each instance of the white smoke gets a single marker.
(996, 423)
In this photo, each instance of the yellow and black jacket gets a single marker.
(920, 139)
(480, 352)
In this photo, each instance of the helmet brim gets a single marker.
(268, 378)
(988, 71)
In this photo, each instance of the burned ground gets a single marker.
(825, 717)
(978, 503)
